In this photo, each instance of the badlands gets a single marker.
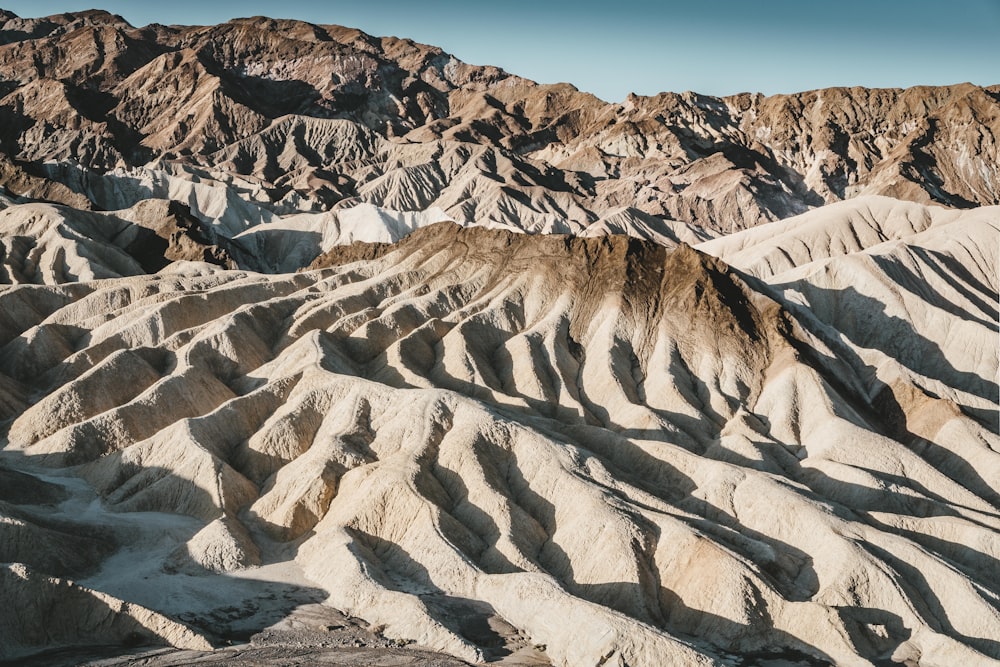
(322, 348)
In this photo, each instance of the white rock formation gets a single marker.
(630, 454)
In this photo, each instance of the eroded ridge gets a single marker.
(615, 450)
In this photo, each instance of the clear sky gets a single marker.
(613, 47)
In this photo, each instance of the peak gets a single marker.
(267, 21)
(598, 253)
(91, 17)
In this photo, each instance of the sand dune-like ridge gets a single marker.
(624, 451)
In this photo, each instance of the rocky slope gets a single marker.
(691, 381)
(488, 442)
(283, 118)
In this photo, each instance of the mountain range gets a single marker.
(315, 129)
(320, 346)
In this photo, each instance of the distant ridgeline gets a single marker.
(278, 139)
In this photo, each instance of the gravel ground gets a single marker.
(312, 635)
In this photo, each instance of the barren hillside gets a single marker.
(317, 347)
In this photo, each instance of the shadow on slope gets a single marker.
(864, 321)
(142, 563)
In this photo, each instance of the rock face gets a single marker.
(294, 319)
(623, 452)
(259, 125)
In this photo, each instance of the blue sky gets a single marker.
(614, 47)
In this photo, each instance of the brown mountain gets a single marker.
(253, 100)
(564, 447)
